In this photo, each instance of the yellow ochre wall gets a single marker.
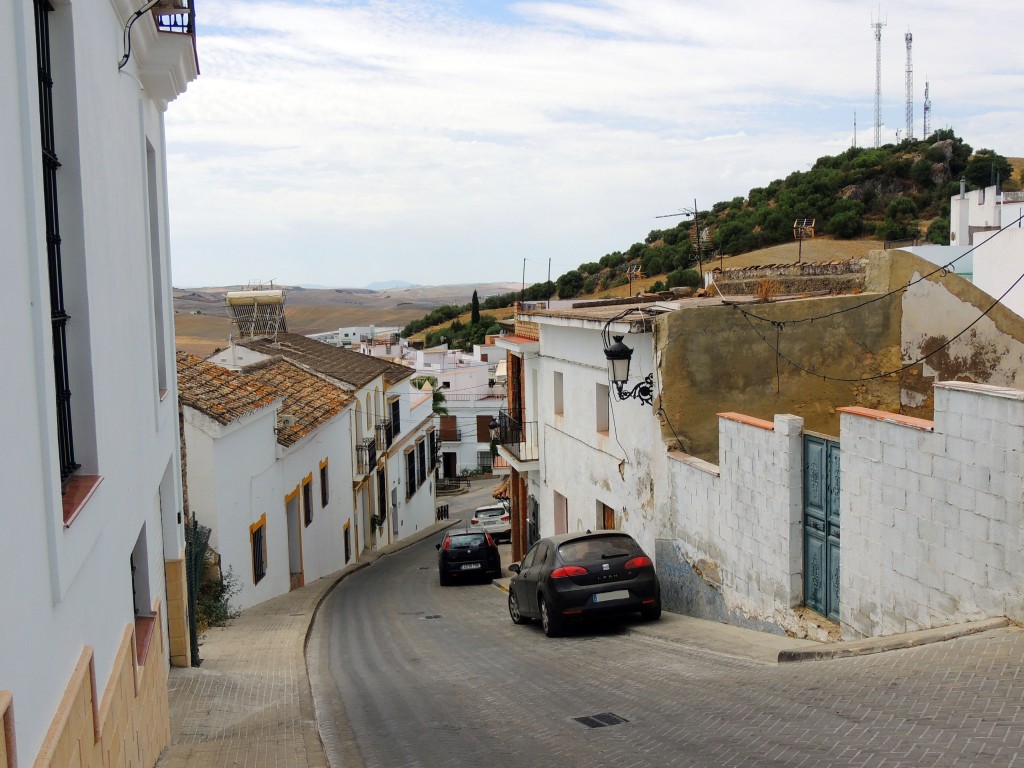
(129, 727)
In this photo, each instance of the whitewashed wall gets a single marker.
(932, 515)
(74, 584)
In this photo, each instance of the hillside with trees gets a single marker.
(893, 193)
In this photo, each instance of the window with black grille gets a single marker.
(421, 449)
(325, 491)
(258, 542)
(58, 315)
(307, 499)
(410, 474)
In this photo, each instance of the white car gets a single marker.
(494, 519)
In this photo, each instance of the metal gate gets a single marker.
(821, 525)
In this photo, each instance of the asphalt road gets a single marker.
(407, 673)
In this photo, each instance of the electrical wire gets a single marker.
(894, 371)
(944, 270)
(127, 36)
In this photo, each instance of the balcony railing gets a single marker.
(385, 434)
(366, 455)
(178, 17)
(518, 437)
(451, 435)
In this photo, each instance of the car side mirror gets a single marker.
(437, 547)
(514, 567)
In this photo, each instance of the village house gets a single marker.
(92, 538)
(822, 465)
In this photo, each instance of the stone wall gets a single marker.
(831, 276)
(932, 513)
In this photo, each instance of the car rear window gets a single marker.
(598, 548)
(467, 540)
(489, 513)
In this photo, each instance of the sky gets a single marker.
(347, 142)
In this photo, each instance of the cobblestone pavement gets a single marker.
(431, 676)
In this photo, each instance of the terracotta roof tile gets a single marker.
(309, 398)
(223, 395)
(341, 364)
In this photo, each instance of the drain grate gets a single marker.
(435, 616)
(600, 720)
(424, 568)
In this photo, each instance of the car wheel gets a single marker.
(444, 578)
(551, 621)
(651, 612)
(513, 609)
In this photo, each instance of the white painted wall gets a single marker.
(74, 585)
(932, 517)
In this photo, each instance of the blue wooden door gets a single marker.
(821, 525)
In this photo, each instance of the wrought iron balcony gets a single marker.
(385, 434)
(451, 435)
(366, 456)
(177, 17)
(517, 437)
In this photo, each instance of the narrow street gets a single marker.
(407, 673)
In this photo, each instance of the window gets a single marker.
(325, 489)
(484, 461)
(483, 428)
(449, 430)
(601, 410)
(258, 547)
(307, 498)
(432, 439)
(421, 449)
(559, 405)
(410, 474)
(58, 315)
(605, 516)
(348, 541)
(396, 417)
(561, 513)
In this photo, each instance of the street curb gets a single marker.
(891, 643)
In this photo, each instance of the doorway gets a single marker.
(821, 525)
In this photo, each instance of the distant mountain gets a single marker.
(389, 284)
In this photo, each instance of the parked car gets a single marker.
(576, 575)
(495, 519)
(462, 554)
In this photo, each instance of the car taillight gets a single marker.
(490, 541)
(568, 570)
(447, 542)
(474, 521)
(638, 562)
(505, 518)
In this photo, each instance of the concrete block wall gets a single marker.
(932, 513)
(736, 551)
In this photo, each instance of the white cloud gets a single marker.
(346, 142)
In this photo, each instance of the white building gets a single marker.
(269, 457)
(355, 335)
(391, 428)
(91, 543)
(473, 396)
(745, 526)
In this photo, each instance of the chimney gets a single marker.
(963, 186)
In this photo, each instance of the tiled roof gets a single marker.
(311, 400)
(344, 365)
(221, 394)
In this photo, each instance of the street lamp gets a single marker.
(618, 356)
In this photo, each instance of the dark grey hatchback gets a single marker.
(576, 575)
(469, 554)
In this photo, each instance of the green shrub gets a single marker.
(213, 600)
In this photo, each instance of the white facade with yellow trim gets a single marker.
(90, 470)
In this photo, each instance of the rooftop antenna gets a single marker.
(909, 38)
(927, 110)
(855, 129)
(877, 25)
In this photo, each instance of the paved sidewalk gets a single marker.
(250, 703)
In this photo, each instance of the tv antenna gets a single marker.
(927, 110)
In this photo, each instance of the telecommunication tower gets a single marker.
(877, 25)
(909, 38)
(927, 110)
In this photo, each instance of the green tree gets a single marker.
(437, 394)
(985, 166)
(938, 232)
(569, 285)
(474, 316)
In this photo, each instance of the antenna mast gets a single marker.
(877, 25)
(927, 110)
(909, 38)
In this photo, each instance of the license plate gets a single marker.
(604, 597)
(471, 566)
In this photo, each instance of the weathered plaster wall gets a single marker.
(735, 550)
(932, 514)
(713, 359)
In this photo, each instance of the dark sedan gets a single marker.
(467, 554)
(576, 575)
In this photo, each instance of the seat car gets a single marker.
(576, 575)
(462, 554)
(495, 519)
